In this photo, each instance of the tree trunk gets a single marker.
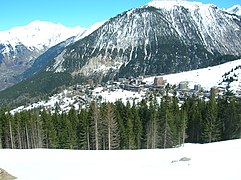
(11, 134)
(165, 132)
(27, 137)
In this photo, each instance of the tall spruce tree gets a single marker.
(94, 119)
(137, 126)
(152, 132)
(212, 130)
(84, 130)
(112, 128)
(167, 123)
(130, 127)
(121, 117)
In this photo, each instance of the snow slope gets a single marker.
(206, 77)
(208, 161)
(89, 30)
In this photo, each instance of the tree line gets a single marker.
(149, 124)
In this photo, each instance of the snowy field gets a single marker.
(206, 77)
(208, 161)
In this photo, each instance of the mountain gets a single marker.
(236, 9)
(20, 46)
(44, 59)
(160, 37)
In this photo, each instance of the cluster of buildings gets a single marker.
(184, 89)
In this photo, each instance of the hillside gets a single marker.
(206, 78)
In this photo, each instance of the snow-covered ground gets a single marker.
(207, 161)
(118, 94)
(206, 77)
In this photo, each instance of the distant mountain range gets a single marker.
(160, 37)
(20, 46)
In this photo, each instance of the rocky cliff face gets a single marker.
(160, 37)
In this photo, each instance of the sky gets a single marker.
(72, 13)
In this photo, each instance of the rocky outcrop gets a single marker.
(4, 175)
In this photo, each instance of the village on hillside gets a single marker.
(125, 89)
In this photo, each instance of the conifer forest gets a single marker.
(149, 124)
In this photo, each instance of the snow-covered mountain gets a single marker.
(162, 36)
(37, 35)
(236, 9)
(20, 46)
(44, 59)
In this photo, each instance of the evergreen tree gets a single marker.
(130, 127)
(73, 120)
(49, 134)
(121, 116)
(166, 122)
(152, 132)
(112, 127)
(145, 116)
(94, 119)
(228, 114)
(137, 126)
(212, 130)
(83, 130)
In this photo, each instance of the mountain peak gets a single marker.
(38, 34)
(236, 9)
(170, 4)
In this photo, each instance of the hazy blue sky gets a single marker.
(72, 12)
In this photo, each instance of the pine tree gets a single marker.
(49, 134)
(94, 119)
(212, 130)
(167, 123)
(152, 132)
(228, 113)
(144, 114)
(83, 130)
(130, 127)
(73, 120)
(182, 127)
(112, 128)
(121, 117)
(137, 126)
